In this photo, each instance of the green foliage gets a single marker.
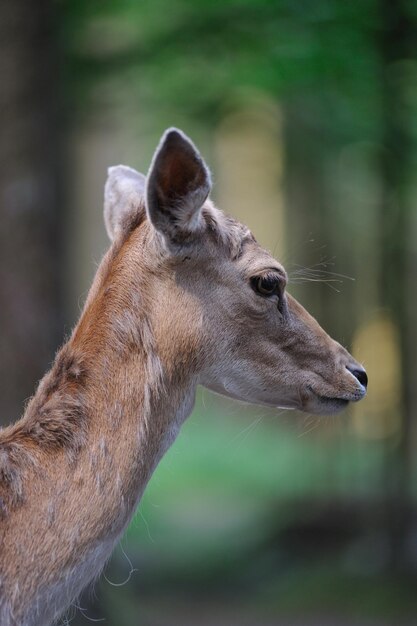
(199, 56)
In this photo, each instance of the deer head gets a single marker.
(217, 295)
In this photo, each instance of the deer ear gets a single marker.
(124, 195)
(178, 183)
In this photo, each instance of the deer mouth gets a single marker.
(326, 405)
(333, 402)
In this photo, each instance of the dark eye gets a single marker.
(267, 285)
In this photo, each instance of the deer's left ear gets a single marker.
(123, 198)
(178, 183)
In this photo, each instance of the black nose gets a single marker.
(360, 374)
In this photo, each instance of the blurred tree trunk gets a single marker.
(395, 43)
(313, 222)
(29, 219)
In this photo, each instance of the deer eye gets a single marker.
(267, 285)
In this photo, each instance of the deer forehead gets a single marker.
(254, 260)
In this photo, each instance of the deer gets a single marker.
(185, 296)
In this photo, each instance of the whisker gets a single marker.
(246, 431)
(315, 270)
(316, 424)
(317, 280)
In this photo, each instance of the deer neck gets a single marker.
(116, 395)
(137, 392)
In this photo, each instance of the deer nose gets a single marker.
(360, 374)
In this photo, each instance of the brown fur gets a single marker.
(171, 307)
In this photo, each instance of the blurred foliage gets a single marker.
(199, 56)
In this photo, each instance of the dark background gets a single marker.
(307, 114)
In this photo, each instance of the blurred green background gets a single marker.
(306, 112)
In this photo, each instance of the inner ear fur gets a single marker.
(178, 184)
(124, 198)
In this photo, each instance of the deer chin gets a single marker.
(287, 403)
(323, 405)
(317, 403)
